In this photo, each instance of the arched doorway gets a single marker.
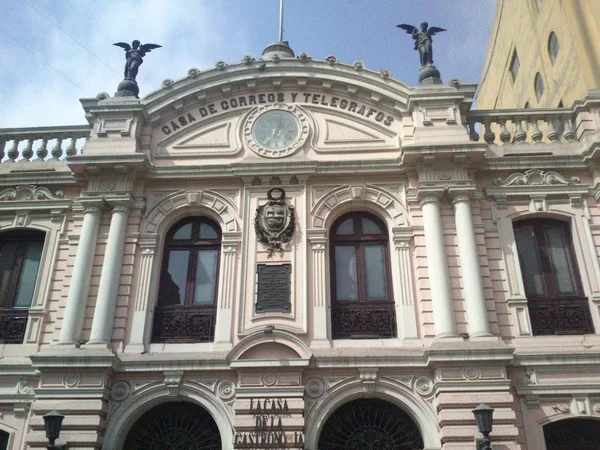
(370, 424)
(572, 434)
(174, 426)
(4, 436)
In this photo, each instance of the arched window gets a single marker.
(361, 288)
(20, 253)
(552, 284)
(187, 298)
(539, 86)
(553, 47)
(572, 434)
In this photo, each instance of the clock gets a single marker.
(276, 129)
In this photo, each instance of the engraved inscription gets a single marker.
(273, 293)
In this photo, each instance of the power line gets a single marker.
(46, 63)
(71, 37)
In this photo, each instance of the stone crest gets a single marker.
(275, 221)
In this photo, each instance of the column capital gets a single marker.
(462, 193)
(120, 203)
(92, 205)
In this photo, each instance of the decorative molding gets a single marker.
(120, 391)
(173, 381)
(226, 389)
(368, 377)
(23, 388)
(315, 387)
(424, 385)
(30, 192)
(536, 177)
(562, 408)
(71, 380)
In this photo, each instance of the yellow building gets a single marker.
(541, 54)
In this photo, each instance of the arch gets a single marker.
(7, 437)
(260, 337)
(573, 433)
(189, 203)
(370, 198)
(123, 419)
(415, 407)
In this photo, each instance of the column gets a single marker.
(404, 286)
(320, 322)
(441, 298)
(104, 312)
(477, 320)
(227, 288)
(80, 278)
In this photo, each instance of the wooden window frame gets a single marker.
(188, 322)
(362, 305)
(553, 303)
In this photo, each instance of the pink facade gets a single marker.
(452, 329)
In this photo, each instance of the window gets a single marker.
(514, 65)
(186, 306)
(20, 254)
(527, 106)
(539, 86)
(553, 47)
(551, 278)
(361, 294)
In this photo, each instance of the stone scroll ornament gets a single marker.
(275, 221)
(133, 60)
(424, 45)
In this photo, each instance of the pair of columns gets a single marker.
(104, 312)
(443, 311)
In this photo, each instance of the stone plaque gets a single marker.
(273, 290)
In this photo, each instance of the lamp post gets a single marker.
(483, 416)
(52, 423)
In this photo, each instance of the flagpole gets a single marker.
(280, 20)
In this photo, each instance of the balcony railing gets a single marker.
(179, 324)
(365, 320)
(12, 325)
(42, 143)
(560, 316)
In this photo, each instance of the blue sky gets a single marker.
(37, 34)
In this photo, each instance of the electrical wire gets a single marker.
(42, 60)
(71, 37)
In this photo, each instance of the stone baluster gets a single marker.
(536, 134)
(13, 151)
(441, 298)
(56, 151)
(72, 149)
(520, 134)
(473, 135)
(504, 134)
(27, 152)
(568, 132)
(553, 134)
(489, 136)
(42, 151)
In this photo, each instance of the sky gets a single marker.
(54, 52)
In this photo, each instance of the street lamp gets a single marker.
(52, 423)
(483, 416)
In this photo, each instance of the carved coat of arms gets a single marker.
(274, 221)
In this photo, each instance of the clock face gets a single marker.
(276, 130)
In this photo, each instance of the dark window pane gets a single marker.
(370, 227)
(346, 227)
(206, 277)
(559, 258)
(29, 273)
(184, 233)
(208, 232)
(176, 278)
(345, 272)
(375, 273)
(531, 266)
(8, 251)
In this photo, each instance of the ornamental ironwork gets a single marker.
(363, 320)
(560, 316)
(275, 221)
(370, 424)
(174, 426)
(12, 325)
(194, 323)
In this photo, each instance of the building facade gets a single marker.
(295, 253)
(541, 54)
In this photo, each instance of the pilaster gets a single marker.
(320, 322)
(404, 287)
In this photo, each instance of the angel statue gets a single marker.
(422, 40)
(134, 54)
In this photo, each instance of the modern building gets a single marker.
(541, 54)
(296, 253)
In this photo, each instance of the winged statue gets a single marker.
(423, 41)
(134, 54)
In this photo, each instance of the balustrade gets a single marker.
(521, 126)
(31, 144)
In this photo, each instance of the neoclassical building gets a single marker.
(304, 254)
